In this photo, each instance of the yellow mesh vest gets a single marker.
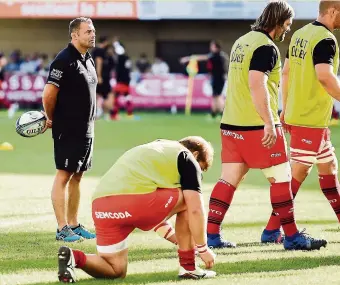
(142, 170)
(239, 107)
(308, 103)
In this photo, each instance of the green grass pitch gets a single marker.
(27, 224)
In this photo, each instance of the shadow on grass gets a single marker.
(244, 267)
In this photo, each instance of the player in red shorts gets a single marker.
(250, 128)
(123, 69)
(145, 187)
(310, 82)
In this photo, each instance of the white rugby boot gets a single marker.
(196, 274)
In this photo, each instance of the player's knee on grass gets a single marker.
(278, 173)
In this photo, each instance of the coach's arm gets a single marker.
(49, 99)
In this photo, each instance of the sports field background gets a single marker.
(27, 224)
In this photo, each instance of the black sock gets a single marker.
(213, 114)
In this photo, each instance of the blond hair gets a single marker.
(203, 147)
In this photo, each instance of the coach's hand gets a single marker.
(270, 135)
(48, 124)
(208, 258)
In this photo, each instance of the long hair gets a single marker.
(275, 14)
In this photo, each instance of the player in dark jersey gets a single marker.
(123, 69)
(104, 67)
(216, 64)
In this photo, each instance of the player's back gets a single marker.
(240, 109)
(143, 169)
(308, 103)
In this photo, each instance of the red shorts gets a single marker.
(122, 88)
(310, 145)
(115, 217)
(246, 147)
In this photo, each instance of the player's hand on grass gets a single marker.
(208, 258)
(48, 124)
(270, 135)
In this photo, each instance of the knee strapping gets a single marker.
(280, 173)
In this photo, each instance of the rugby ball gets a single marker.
(30, 124)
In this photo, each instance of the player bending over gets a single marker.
(146, 186)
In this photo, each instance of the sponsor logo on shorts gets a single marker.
(110, 215)
(306, 141)
(332, 201)
(169, 202)
(216, 212)
(232, 134)
(273, 155)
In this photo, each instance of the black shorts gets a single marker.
(104, 89)
(217, 85)
(73, 154)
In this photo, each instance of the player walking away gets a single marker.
(309, 83)
(216, 64)
(165, 177)
(123, 69)
(69, 100)
(251, 133)
(104, 66)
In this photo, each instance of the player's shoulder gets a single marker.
(62, 58)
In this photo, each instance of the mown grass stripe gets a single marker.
(271, 265)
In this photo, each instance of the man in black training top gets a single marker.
(69, 100)
(216, 64)
(104, 66)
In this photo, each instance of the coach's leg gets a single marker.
(221, 198)
(58, 196)
(74, 199)
(329, 182)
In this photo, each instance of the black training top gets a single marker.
(75, 76)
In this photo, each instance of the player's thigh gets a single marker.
(234, 173)
(305, 144)
(327, 162)
(113, 219)
(256, 156)
(159, 206)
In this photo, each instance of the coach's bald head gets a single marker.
(329, 13)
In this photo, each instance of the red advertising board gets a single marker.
(106, 9)
(150, 92)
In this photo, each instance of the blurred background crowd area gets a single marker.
(154, 33)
